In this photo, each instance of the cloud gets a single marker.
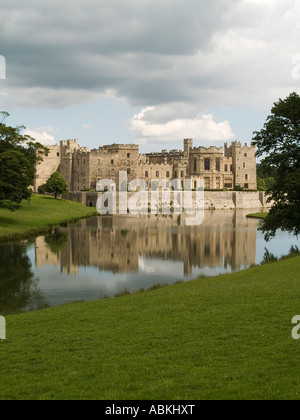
(202, 128)
(86, 126)
(42, 135)
(150, 52)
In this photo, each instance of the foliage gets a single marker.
(279, 145)
(269, 257)
(56, 185)
(41, 189)
(261, 185)
(265, 178)
(19, 155)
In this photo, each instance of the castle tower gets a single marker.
(67, 148)
(49, 165)
(244, 164)
(188, 145)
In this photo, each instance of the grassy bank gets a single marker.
(42, 212)
(227, 337)
(261, 215)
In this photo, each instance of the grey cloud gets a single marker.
(43, 42)
(149, 52)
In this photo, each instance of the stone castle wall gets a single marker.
(82, 169)
(212, 199)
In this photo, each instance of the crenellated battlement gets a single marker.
(208, 150)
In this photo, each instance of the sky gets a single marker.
(148, 72)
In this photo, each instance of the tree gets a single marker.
(19, 155)
(279, 145)
(56, 185)
(261, 184)
(265, 178)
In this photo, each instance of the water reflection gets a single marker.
(18, 285)
(104, 255)
(116, 244)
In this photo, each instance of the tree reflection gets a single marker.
(18, 285)
(57, 241)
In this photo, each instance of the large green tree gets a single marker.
(278, 143)
(56, 185)
(19, 155)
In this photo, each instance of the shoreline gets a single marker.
(259, 216)
(39, 217)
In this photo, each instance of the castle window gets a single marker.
(98, 161)
(244, 165)
(168, 174)
(146, 174)
(112, 161)
(218, 164)
(207, 164)
(226, 168)
(246, 176)
(128, 155)
(128, 171)
(245, 155)
(46, 154)
(157, 174)
(231, 168)
(57, 154)
(195, 165)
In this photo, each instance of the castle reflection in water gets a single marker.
(227, 239)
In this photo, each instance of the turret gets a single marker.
(188, 145)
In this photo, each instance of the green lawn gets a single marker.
(261, 215)
(227, 337)
(42, 212)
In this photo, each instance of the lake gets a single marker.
(104, 256)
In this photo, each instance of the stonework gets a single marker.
(81, 168)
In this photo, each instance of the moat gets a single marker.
(104, 256)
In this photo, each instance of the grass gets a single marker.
(261, 215)
(42, 213)
(227, 337)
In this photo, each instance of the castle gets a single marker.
(82, 169)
